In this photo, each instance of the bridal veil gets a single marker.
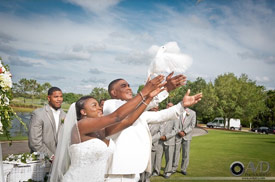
(68, 135)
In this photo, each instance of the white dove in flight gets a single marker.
(168, 59)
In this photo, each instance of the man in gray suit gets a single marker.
(45, 124)
(183, 139)
(155, 132)
(168, 137)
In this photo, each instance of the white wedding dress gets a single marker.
(89, 161)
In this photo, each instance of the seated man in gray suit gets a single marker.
(183, 139)
(45, 123)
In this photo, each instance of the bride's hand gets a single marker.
(153, 85)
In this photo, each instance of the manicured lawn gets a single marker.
(212, 154)
(16, 138)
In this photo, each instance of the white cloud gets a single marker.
(95, 6)
(95, 71)
(26, 61)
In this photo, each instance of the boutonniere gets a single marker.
(187, 113)
(62, 121)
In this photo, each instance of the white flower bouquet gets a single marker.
(26, 158)
(5, 78)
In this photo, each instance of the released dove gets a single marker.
(168, 59)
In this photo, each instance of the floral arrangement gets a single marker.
(6, 112)
(38, 167)
(26, 157)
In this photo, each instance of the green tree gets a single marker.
(266, 118)
(251, 99)
(42, 90)
(228, 88)
(71, 97)
(270, 103)
(206, 107)
(100, 93)
(33, 86)
(22, 88)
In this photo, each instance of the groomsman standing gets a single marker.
(169, 132)
(155, 132)
(159, 147)
(46, 123)
(183, 139)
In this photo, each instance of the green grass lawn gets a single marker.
(16, 138)
(211, 155)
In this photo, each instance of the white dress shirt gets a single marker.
(56, 114)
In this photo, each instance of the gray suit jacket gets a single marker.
(42, 130)
(155, 133)
(170, 131)
(187, 126)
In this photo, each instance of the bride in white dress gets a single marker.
(83, 151)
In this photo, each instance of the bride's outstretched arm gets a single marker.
(89, 125)
(133, 116)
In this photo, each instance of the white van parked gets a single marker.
(235, 124)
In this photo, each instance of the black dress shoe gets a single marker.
(184, 172)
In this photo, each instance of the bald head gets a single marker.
(111, 85)
(120, 89)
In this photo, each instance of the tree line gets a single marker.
(227, 96)
(31, 89)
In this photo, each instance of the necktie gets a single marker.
(183, 120)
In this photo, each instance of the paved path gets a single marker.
(22, 146)
(199, 131)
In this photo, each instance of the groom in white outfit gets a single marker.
(132, 154)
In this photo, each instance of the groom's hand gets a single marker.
(174, 82)
(189, 100)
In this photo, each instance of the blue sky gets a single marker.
(81, 44)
